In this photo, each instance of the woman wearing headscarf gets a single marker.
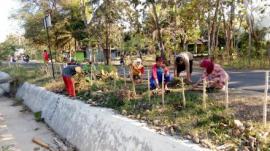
(137, 69)
(214, 75)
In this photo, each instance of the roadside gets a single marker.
(192, 122)
(18, 127)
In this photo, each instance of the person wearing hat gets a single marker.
(137, 70)
(67, 73)
(183, 62)
(157, 71)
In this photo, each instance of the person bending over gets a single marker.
(67, 73)
(183, 62)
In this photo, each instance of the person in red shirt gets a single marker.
(158, 70)
(45, 56)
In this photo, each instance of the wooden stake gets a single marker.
(114, 81)
(183, 92)
(204, 94)
(128, 95)
(125, 81)
(227, 94)
(149, 91)
(162, 89)
(60, 69)
(91, 75)
(41, 143)
(265, 98)
(133, 86)
(133, 82)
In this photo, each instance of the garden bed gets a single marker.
(213, 127)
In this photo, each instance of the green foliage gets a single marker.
(133, 43)
(22, 74)
(8, 47)
(106, 68)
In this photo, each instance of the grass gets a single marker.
(22, 74)
(244, 63)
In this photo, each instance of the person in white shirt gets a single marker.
(183, 62)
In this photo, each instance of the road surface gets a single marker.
(18, 127)
(252, 80)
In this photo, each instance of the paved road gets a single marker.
(253, 80)
(18, 127)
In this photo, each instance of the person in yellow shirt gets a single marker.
(137, 70)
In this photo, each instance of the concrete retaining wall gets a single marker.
(5, 87)
(93, 128)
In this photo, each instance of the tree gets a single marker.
(9, 46)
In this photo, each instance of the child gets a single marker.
(67, 73)
(184, 62)
(137, 70)
(157, 70)
(214, 75)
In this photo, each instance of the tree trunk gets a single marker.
(160, 41)
(107, 49)
(250, 31)
(209, 29)
(229, 31)
(214, 28)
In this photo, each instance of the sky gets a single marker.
(12, 27)
(8, 26)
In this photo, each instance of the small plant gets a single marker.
(38, 117)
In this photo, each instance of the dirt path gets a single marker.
(18, 127)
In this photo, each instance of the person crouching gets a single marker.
(137, 70)
(67, 73)
(157, 71)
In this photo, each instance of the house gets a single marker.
(198, 47)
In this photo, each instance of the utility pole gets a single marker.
(47, 24)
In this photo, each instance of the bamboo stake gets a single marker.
(91, 75)
(125, 81)
(114, 81)
(265, 98)
(133, 83)
(204, 94)
(133, 86)
(162, 89)
(183, 92)
(60, 69)
(149, 92)
(227, 93)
